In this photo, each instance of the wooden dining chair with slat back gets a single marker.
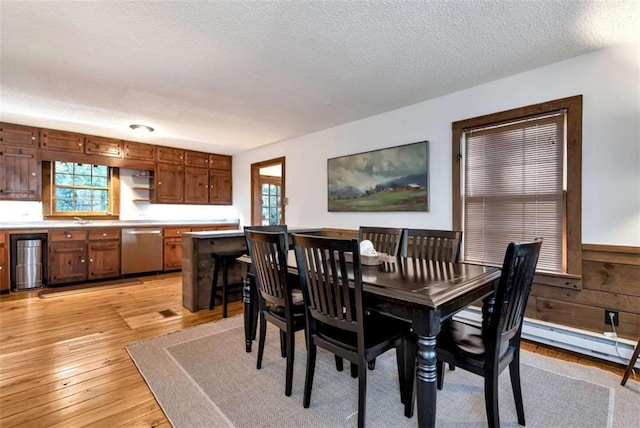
(278, 303)
(488, 350)
(386, 240)
(436, 245)
(336, 318)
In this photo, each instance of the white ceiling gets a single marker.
(228, 76)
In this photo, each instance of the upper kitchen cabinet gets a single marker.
(101, 146)
(220, 162)
(139, 151)
(62, 141)
(169, 155)
(169, 186)
(196, 185)
(220, 187)
(18, 135)
(198, 159)
(20, 174)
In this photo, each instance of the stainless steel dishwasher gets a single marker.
(141, 250)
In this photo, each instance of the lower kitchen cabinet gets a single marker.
(4, 264)
(172, 247)
(67, 261)
(104, 253)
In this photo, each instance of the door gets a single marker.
(268, 197)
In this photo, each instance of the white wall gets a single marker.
(609, 81)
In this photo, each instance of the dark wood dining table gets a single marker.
(421, 292)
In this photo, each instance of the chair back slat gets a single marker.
(385, 239)
(332, 295)
(268, 252)
(512, 293)
(436, 245)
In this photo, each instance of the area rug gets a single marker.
(202, 377)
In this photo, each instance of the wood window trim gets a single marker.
(47, 197)
(255, 187)
(573, 107)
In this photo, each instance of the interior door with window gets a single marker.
(268, 192)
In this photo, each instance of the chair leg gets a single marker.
(354, 370)
(283, 344)
(491, 398)
(362, 393)
(514, 373)
(263, 334)
(632, 363)
(214, 284)
(440, 374)
(308, 381)
(290, 338)
(225, 285)
(371, 364)
(402, 373)
(339, 364)
(410, 355)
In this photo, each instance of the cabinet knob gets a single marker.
(33, 174)
(90, 260)
(81, 260)
(104, 234)
(68, 235)
(79, 144)
(0, 267)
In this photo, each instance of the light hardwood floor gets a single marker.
(63, 361)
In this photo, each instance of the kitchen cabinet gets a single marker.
(169, 155)
(19, 135)
(61, 141)
(196, 159)
(172, 247)
(220, 162)
(4, 264)
(67, 256)
(103, 251)
(220, 188)
(103, 147)
(139, 151)
(169, 183)
(196, 185)
(20, 174)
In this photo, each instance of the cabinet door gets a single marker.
(196, 159)
(169, 183)
(4, 270)
(196, 185)
(19, 174)
(220, 162)
(104, 258)
(103, 147)
(172, 254)
(67, 262)
(61, 141)
(220, 187)
(169, 155)
(139, 151)
(18, 135)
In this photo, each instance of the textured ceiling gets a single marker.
(228, 76)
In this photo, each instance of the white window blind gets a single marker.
(514, 189)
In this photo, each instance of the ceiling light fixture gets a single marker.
(141, 129)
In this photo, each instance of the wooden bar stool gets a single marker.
(222, 260)
(632, 363)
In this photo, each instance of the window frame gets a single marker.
(573, 220)
(48, 195)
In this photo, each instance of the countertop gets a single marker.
(61, 224)
(237, 233)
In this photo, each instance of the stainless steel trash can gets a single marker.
(28, 264)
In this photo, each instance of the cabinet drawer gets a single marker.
(139, 151)
(175, 232)
(170, 155)
(68, 235)
(18, 135)
(219, 162)
(196, 159)
(98, 234)
(103, 147)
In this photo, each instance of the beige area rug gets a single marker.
(86, 288)
(202, 377)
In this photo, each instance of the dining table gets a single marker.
(422, 292)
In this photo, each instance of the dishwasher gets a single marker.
(141, 250)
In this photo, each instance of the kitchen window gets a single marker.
(516, 177)
(80, 189)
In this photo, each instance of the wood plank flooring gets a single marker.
(63, 361)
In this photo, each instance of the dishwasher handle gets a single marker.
(142, 232)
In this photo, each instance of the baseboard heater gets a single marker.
(560, 336)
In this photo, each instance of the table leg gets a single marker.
(426, 381)
(248, 312)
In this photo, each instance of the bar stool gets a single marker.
(224, 260)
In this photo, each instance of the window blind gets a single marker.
(514, 189)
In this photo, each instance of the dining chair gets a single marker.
(336, 317)
(436, 245)
(386, 240)
(489, 349)
(277, 302)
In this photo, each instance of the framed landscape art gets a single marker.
(391, 179)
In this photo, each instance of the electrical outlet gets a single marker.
(610, 315)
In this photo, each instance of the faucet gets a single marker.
(81, 221)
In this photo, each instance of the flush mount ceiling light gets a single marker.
(141, 129)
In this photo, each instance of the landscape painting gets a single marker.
(391, 179)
